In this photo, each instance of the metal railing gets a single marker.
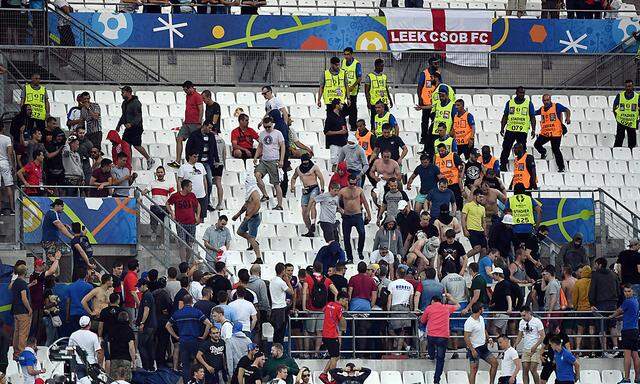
(368, 333)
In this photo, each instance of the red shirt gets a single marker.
(184, 207)
(244, 139)
(33, 176)
(362, 285)
(436, 317)
(309, 281)
(191, 111)
(130, 281)
(332, 317)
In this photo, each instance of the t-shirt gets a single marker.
(476, 330)
(309, 280)
(428, 177)
(331, 323)
(148, 302)
(341, 284)
(472, 172)
(49, 230)
(33, 176)
(17, 307)
(213, 353)
(119, 173)
(130, 281)
(362, 285)
(196, 174)
(277, 290)
(501, 291)
(245, 364)
(218, 283)
(160, 191)
(392, 143)
(83, 241)
(530, 332)
(76, 292)
(552, 290)
(328, 207)
(191, 113)
(271, 144)
(209, 112)
(401, 291)
(629, 260)
(100, 176)
(119, 345)
(243, 311)
(88, 341)
(391, 200)
(436, 317)
(438, 198)
(205, 306)
(109, 319)
(184, 207)
(5, 143)
(455, 285)
(244, 139)
(273, 103)
(564, 365)
(629, 309)
(482, 268)
(475, 216)
(508, 363)
(478, 282)
(26, 359)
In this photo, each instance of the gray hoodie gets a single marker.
(392, 239)
(355, 157)
(257, 285)
(236, 346)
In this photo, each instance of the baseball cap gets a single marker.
(443, 89)
(57, 202)
(38, 262)
(402, 204)
(84, 321)
(497, 270)
(373, 266)
(252, 346)
(507, 219)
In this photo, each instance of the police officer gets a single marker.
(445, 138)
(464, 129)
(518, 119)
(441, 112)
(552, 128)
(381, 117)
(426, 87)
(35, 94)
(522, 208)
(452, 168)
(524, 168)
(625, 108)
(353, 70)
(333, 85)
(376, 88)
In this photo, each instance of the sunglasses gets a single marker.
(265, 93)
(306, 375)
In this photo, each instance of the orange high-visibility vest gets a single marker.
(521, 173)
(550, 124)
(427, 88)
(365, 142)
(462, 131)
(448, 168)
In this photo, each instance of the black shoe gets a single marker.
(313, 228)
(258, 261)
(543, 155)
(561, 170)
(503, 167)
(210, 208)
(361, 256)
(308, 234)
(264, 198)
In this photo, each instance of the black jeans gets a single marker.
(146, 346)
(348, 222)
(351, 112)
(510, 138)
(279, 320)
(162, 349)
(555, 148)
(160, 212)
(630, 133)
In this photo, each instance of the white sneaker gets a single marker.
(150, 163)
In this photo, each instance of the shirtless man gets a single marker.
(382, 170)
(352, 199)
(252, 219)
(313, 184)
(416, 253)
(99, 295)
(491, 197)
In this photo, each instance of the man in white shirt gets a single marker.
(195, 172)
(87, 341)
(477, 339)
(7, 168)
(245, 311)
(273, 102)
(278, 289)
(271, 152)
(531, 333)
(510, 364)
(399, 300)
(226, 326)
(382, 254)
(160, 190)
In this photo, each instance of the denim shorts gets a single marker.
(483, 354)
(308, 193)
(251, 225)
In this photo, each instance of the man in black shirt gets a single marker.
(164, 305)
(211, 111)
(451, 249)
(122, 346)
(147, 323)
(627, 263)
(336, 275)
(500, 302)
(473, 169)
(243, 368)
(107, 321)
(350, 374)
(255, 370)
(219, 281)
(391, 143)
(211, 354)
(336, 132)
(205, 305)
(177, 300)
(408, 222)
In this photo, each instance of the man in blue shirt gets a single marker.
(75, 293)
(52, 226)
(439, 196)
(29, 362)
(329, 255)
(485, 265)
(567, 366)
(429, 174)
(188, 323)
(629, 311)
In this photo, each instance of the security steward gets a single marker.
(489, 161)
(445, 138)
(626, 109)
(518, 119)
(367, 140)
(441, 112)
(35, 94)
(523, 208)
(464, 129)
(524, 169)
(353, 69)
(333, 85)
(381, 117)
(426, 87)
(451, 167)
(376, 88)
(552, 128)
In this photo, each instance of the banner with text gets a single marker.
(567, 216)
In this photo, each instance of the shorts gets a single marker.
(6, 174)
(187, 129)
(314, 325)
(504, 379)
(217, 171)
(269, 167)
(332, 345)
(329, 231)
(187, 233)
(73, 180)
(244, 156)
(547, 370)
(420, 198)
(584, 323)
(629, 340)
(517, 5)
(477, 238)
(308, 193)
(483, 354)
(457, 320)
(334, 153)
(500, 321)
(105, 349)
(250, 225)
(133, 136)
(401, 322)
(528, 357)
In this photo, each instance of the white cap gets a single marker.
(352, 138)
(84, 321)
(507, 219)
(497, 270)
(402, 204)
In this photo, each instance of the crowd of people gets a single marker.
(418, 267)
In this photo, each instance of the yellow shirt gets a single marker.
(475, 216)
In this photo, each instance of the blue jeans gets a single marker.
(348, 222)
(188, 350)
(52, 332)
(437, 346)
(359, 304)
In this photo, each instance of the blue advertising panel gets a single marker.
(567, 216)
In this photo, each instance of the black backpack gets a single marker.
(319, 293)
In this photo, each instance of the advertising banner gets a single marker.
(567, 216)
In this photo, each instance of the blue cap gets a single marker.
(252, 346)
(443, 89)
(237, 327)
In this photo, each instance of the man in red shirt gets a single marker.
(31, 174)
(332, 327)
(194, 109)
(118, 145)
(314, 298)
(363, 291)
(186, 212)
(242, 139)
(436, 318)
(131, 293)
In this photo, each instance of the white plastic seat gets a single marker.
(632, 180)
(63, 96)
(288, 98)
(302, 244)
(233, 258)
(105, 97)
(468, 100)
(590, 127)
(458, 377)
(165, 137)
(582, 153)
(628, 193)
(578, 101)
(476, 5)
(272, 217)
(165, 97)
(600, 153)
(614, 179)
(296, 258)
(634, 166)
(158, 110)
(593, 114)
(412, 377)
(500, 100)
(428, 377)
(586, 140)
(482, 100)
(280, 244)
(247, 98)
(273, 257)
(299, 111)
(569, 140)
(489, 126)
(598, 101)
(622, 153)
(170, 123)
(495, 113)
(573, 179)
(618, 166)
(593, 180)
(606, 140)
(578, 115)
(482, 377)
(479, 113)
(57, 109)
(305, 98)
(404, 99)
(286, 230)
(390, 377)
(177, 110)
(608, 126)
(542, 166)
(146, 97)
(234, 165)
(590, 376)
(598, 166)
(374, 378)
(226, 98)
(562, 99)
(578, 166)
(553, 179)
